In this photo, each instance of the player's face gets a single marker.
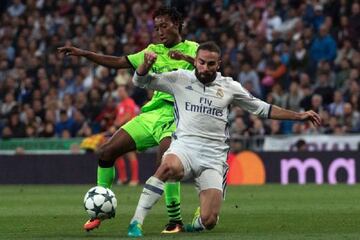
(207, 63)
(166, 31)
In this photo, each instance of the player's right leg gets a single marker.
(120, 143)
(134, 135)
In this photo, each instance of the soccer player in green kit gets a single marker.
(155, 125)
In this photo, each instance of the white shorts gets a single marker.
(207, 167)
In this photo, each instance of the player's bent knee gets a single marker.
(168, 171)
(165, 171)
(107, 153)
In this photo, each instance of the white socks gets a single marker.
(151, 193)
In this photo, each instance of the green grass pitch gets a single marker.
(249, 212)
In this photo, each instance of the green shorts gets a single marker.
(149, 128)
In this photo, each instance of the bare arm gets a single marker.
(104, 60)
(284, 114)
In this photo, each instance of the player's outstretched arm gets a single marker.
(104, 60)
(284, 114)
(245, 100)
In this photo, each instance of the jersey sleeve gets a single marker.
(244, 99)
(163, 82)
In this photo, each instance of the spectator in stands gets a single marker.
(318, 18)
(6, 133)
(30, 131)
(274, 128)
(354, 25)
(294, 97)
(274, 71)
(17, 128)
(316, 103)
(48, 131)
(352, 88)
(299, 59)
(350, 118)
(64, 126)
(278, 95)
(346, 52)
(343, 32)
(272, 23)
(238, 128)
(323, 47)
(249, 75)
(342, 75)
(8, 105)
(323, 88)
(16, 9)
(336, 108)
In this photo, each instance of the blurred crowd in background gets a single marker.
(299, 55)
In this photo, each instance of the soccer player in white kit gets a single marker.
(199, 145)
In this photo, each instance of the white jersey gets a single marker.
(201, 111)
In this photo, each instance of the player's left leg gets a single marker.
(170, 168)
(210, 204)
(210, 185)
(120, 143)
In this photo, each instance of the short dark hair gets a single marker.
(210, 46)
(173, 13)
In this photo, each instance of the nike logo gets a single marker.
(189, 87)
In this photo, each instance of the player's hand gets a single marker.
(149, 58)
(311, 116)
(177, 55)
(71, 51)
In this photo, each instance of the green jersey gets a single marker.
(164, 64)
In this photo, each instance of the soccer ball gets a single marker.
(100, 202)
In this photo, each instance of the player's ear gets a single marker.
(176, 25)
(195, 60)
(219, 64)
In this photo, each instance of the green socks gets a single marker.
(105, 176)
(172, 200)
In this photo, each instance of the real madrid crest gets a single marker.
(220, 93)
